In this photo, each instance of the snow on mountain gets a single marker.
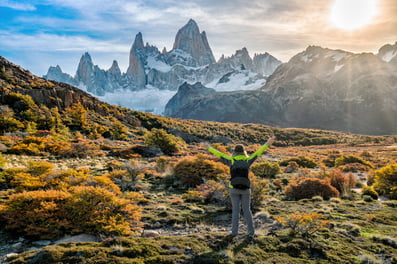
(154, 76)
(388, 53)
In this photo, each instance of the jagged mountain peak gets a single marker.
(86, 57)
(313, 54)
(115, 69)
(190, 40)
(138, 42)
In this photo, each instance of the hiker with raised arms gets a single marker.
(239, 186)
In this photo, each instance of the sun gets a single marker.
(352, 14)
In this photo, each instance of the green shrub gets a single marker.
(168, 143)
(302, 161)
(302, 188)
(369, 190)
(343, 160)
(265, 169)
(386, 181)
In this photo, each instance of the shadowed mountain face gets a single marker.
(317, 88)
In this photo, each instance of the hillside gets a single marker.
(47, 95)
(83, 181)
(318, 88)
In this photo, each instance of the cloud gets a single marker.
(18, 6)
(282, 28)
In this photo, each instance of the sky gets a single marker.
(36, 34)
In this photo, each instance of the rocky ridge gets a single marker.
(318, 88)
(191, 60)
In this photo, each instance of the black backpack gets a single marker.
(240, 178)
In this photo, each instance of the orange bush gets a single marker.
(342, 182)
(193, 170)
(308, 187)
(304, 224)
(95, 209)
(44, 214)
(51, 214)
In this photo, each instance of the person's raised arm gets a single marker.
(262, 149)
(218, 153)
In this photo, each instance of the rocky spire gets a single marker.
(115, 69)
(136, 69)
(138, 43)
(192, 42)
(85, 69)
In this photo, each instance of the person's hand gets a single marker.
(270, 140)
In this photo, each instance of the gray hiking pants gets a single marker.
(241, 198)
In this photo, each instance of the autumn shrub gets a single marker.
(302, 188)
(44, 214)
(163, 164)
(259, 189)
(193, 196)
(95, 210)
(212, 192)
(52, 213)
(342, 182)
(371, 178)
(192, 171)
(128, 176)
(303, 224)
(38, 168)
(354, 167)
(332, 156)
(265, 169)
(386, 181)
(291, 167)
(347, 159)
(32, 145)
(82, 148)
(29, 146)
(168, 143)
(302, 161)
(369, 190)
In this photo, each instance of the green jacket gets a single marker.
(240, 164)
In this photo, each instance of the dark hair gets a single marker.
(239, 150)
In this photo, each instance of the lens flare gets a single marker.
(353, 14)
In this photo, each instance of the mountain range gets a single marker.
(190, 60)
(317, 88)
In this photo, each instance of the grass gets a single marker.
(196, 232)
